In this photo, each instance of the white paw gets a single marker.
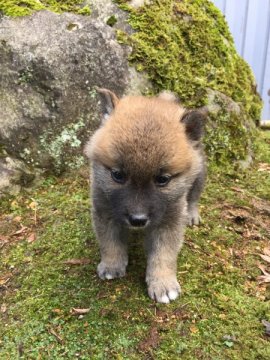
(164, 299)
(109, 276)
(106, 272)
(164, 290)
(173, 294)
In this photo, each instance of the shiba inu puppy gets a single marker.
(148, 171)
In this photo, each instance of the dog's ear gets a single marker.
(109, 101)
(194, 121)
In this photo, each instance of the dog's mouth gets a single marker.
(139, 225)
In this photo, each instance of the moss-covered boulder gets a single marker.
(186, 46)
(51, 63)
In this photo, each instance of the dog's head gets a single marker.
(145, 156)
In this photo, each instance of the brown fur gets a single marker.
(147, 133)
(144, 137)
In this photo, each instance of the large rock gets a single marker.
(51, 64)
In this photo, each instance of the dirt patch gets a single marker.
(151, 341)
(252, 222)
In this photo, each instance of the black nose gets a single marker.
(138, 220)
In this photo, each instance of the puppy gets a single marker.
(148, 171)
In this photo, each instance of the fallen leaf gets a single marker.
(267, 327)
(193, 329)
(31, 238)
(21, 231)
(263, 269)
(266, 251)
(58, 337)
(17, 218)
(265, 278)
(265, 258)
(77, 262)
(76, 311)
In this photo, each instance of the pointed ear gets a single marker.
(110, 100)
(194, 121)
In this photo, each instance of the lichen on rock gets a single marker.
(55, 147)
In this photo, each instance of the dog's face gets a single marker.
(144, 159)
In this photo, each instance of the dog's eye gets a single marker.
(118, 176)
(162, 180)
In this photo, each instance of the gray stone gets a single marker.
(214, 106)
(50, 65)
(103, 10)
(14, 175)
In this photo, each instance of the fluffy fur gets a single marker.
(145, 141)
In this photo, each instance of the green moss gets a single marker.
(85, 10)
(186, 47)
(217, 268)
(27, 7)
(112, 20)
(228, 134)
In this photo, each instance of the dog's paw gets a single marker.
(108, 272)
(193, 216)
(164, 290)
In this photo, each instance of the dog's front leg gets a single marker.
(162, 247)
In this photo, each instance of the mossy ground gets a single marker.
(27, 7)
(218, 315)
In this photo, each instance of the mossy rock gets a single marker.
(186, 47)
(50, 65)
